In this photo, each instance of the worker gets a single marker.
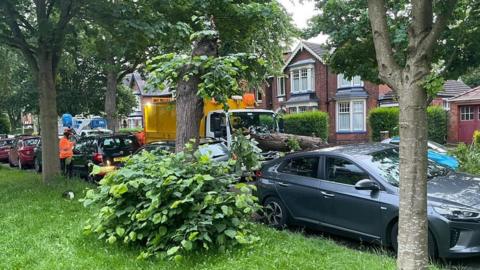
(66, 153)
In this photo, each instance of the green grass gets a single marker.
(41, 230)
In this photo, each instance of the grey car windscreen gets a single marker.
(387, 164)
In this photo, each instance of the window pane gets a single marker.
(292, 109)
(358, 115)
(281, 86)
(304, 80)
(343, 121)
(357, 81)
(296, 81)
(343, 171)
(303, 166)
(466, 113)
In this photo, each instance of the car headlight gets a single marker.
(457, 213)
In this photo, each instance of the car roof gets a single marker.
(349, 149)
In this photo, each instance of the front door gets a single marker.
(469, 121)
(299, 188)
(355, 211)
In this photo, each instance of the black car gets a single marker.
(353, 191)
(108, 151)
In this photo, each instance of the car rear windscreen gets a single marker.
(117, 143)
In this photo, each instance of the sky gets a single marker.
(301, 12)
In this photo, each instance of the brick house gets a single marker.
(137, 83)
(451, 88)
(308, 84)
(464, 116)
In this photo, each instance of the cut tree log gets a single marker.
(278, 142)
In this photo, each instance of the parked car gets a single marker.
(353, 191)
(5, 145)
(22, 151)
(436, 152)
(106, 151)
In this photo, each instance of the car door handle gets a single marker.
(327, 194)
(283, 184)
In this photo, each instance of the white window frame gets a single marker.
(351, 102)
(256, 95)
(351, 83)
(310, 79)
(281, 86)
(470, 111)
(446, 104)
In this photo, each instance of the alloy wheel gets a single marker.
(273, 213)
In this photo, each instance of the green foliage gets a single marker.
(125, 100)
(433, 84)
(221, 77)
(4, 124)
(245, 151)
(437, 120)
(173, 203)
(472, 77)
(313, 123)
(469, 158)
(128, 130)
(293, 144)
(383, 119)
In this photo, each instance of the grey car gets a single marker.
(353, 191)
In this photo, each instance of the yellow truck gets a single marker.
(160, 119)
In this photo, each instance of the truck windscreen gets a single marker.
(257, 120)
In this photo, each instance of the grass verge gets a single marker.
(41, 230)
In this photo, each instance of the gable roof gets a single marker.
(473, 94)
(313, 48)
(452, 88)
(143, 88)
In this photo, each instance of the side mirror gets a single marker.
(367, 184)
(281, 125)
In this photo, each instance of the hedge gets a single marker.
(307, 123)
(4, 124)
(382, 118)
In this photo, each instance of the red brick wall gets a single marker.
(452, 136)
(438, 101)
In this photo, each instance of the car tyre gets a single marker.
(275, 213)
(37, 165)
(432, 246)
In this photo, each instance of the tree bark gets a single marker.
(111, 100)
(278, 142)
(189, 105)
(48, 117)
(413, 225)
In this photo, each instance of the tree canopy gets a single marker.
(351, 40)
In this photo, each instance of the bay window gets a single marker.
(351, 116)
(302, 79)
(345, 82)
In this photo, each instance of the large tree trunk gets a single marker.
(413, 225)
(48, 117)
(111, 101)
(279, 142)
(189, 105)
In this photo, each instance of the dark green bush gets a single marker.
(175, 203)
(4, 124)
(437, 120)
(383, 118)
(307, 123)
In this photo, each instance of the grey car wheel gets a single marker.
(275, 213)
(432, 247)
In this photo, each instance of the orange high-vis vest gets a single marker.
(66, 148)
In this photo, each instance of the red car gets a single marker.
(21, 153)
(5, 145)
